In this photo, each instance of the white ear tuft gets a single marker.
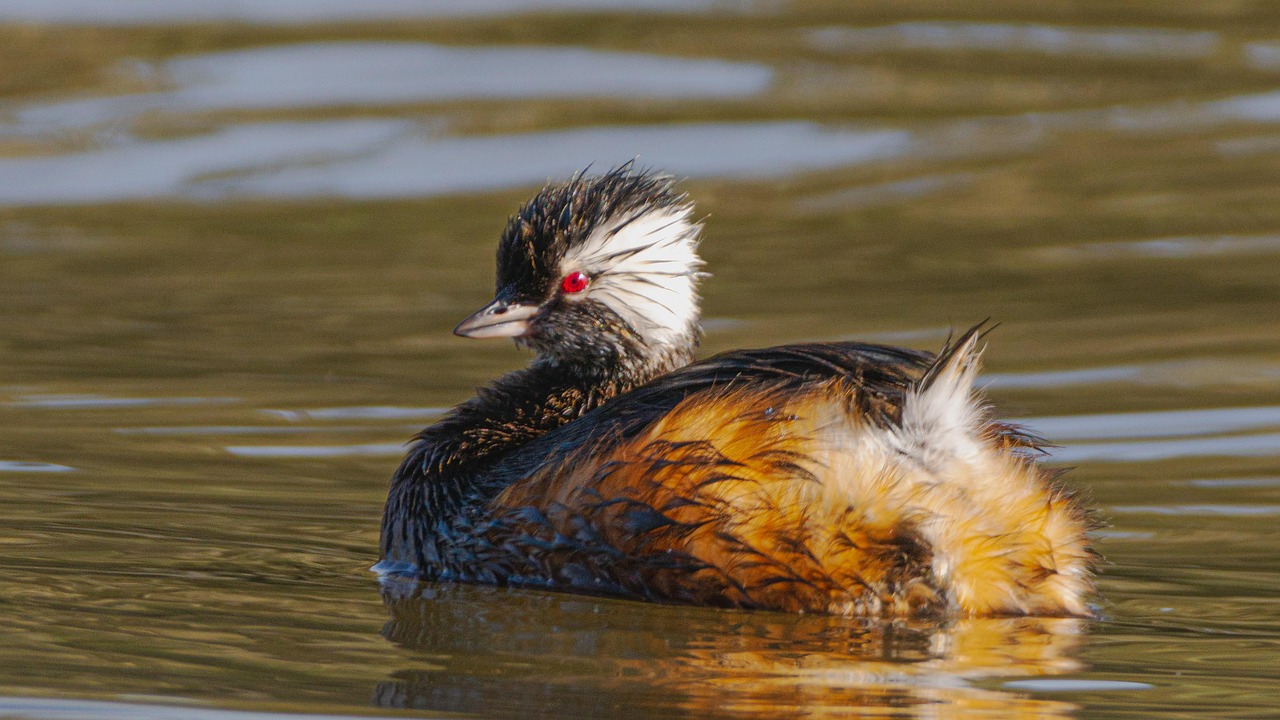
(644, 265)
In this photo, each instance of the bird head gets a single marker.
(598, 269)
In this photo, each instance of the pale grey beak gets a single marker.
(499, 318)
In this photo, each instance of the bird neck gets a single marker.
(619, 367)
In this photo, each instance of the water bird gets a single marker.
(839, 477)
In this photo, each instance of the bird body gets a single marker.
(838, 477)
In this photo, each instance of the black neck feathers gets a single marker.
(447, 470)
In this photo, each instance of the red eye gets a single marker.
(575, 282)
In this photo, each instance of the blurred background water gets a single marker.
(234, 237)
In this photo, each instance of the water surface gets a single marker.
(234, 238)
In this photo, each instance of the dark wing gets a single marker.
(879, 374)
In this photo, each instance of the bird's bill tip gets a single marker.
(499, 318)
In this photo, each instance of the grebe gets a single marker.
(828, 477)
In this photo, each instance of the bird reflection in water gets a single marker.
(517, 653)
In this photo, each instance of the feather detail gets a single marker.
(644, 265)
(790, 488)
(941, 418)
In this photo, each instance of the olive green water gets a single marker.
(205, 378)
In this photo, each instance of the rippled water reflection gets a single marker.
(1022, 38)
(372, 74)
(162, 12)
(711, 664)
(231, 254)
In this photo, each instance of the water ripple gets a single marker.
(1060, 378)
(394, 158)
(1173, 423)
(29, 466)
(166, 12)
(368, 74)
(1263, 55)
(1188, 246)
(90, 402)
(1198, 433)
(1037, 39)
(366, 412)
(1237, 446)
(1255, 482)
(1075, 685)
(187, 430)
(59, 709)
(318, 451)
(1232, 510)
(420, 166)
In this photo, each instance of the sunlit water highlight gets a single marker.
(1009, 38)
(393, 158)
(45, 709)
(164, 12)
(22, 466)
(371, 74)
